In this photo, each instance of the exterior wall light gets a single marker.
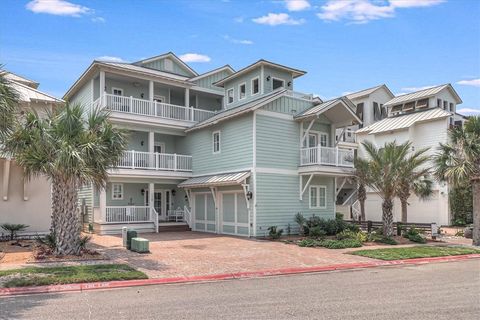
(249, 195)
(268, 78)
(289, 83)
(174, 192)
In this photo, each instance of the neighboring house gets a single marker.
(223, 152)
(423, 118)
(23, 201)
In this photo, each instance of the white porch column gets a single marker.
(151, 148)
(333, 135)
(150, 96)
(187, 97)
(102, 87)
(6, 179)
(103, 205)
(151, 191)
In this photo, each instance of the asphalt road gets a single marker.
(434, 291)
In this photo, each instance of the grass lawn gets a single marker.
(413, 252)
(39, 276)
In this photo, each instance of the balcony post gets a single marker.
(131, 104)
(187, 99)
(151, 197)
(319, 154)
(133, 159)
(150, 96)
(192, 114)
(174, 162)
(102, 87)
(151, 149)
(336, 158)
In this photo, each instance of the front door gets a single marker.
(161, 202)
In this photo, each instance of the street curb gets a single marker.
(79, 287)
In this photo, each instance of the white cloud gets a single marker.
(58, 7)
(110, 59)
(473, 82)
(98, 19)
(297, 5)
(413, 89)
(468, 111)
(362, 11)
(237, 41)
(194, 57)
(274, 19)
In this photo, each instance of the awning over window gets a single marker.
(216, 180)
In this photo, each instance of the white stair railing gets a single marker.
(356, 211)
(187, 216)
(154, 215)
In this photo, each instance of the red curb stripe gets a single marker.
(78, 287)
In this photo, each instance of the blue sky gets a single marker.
(344, 45)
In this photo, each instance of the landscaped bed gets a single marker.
(414, 252)
(38, 276)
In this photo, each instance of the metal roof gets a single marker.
(326, 105)
(15, 77)
(216, 180)
(232, 112)
(29, 94)
(153, 72)
(404, 121)
(367, 92)
(425, 93)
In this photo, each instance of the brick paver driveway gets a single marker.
(177, 254)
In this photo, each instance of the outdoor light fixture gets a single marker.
(289, 83)
(141, 95)
(186, 198)
(142, 192)
(174, 192)
(141, 143)
(249, 195)
(268, 78)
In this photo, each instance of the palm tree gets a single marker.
(458, 162)
(361, 177)
(414, 178)
(71, 148)
(8, 103)
(384, 168)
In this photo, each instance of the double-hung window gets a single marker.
(255, 86)
(230, 95)
(242, 90)
(216, 141)
(117, 191)
(318, 197)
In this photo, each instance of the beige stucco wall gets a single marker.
(35, 211)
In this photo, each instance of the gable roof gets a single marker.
(405, 120)
(236, 111)
(226, 67)
(369, 91)
(15, 77)
(170, 55)
(295, 72)
(325, 106)
(422, 94)
(29, 94)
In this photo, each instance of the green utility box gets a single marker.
(140, 245)
(130, 235)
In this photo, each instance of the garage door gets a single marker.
(204, 209)
(234, 213)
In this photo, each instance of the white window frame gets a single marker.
(219, 141)
(319, 135)
(118, 89)
(161, 98)
(252, 86)
(318, 188)
(240, 91)
(233, 95)
(278, 79)
(113, 191)
(159, 144)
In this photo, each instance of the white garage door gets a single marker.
(234, 213)
(204, 209)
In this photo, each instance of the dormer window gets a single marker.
(242, 90)
(396, 108)
(409, 106)
(255, 86)
(422, 104)
(230, 95)
(278, 83)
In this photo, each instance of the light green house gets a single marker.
(223, 152)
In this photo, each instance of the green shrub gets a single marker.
(317, 232)
(347, 234)
(13, 229)
(352, 227)
(308, 243)
(387, 240)
(48, 240)
(414, 235)
(338, 216)
(340, 244)
(300, 220)
(274, 233)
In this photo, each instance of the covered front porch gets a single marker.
(143, 205)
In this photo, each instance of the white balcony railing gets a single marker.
(128, 214)
(327, 156)
(155, 161)
(152, 108)
(299, 95)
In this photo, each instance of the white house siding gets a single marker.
(422, 135)
(288, 105)
(84, 95)
(86, 194)
(207, 81)
(159, 64)
(34, 212)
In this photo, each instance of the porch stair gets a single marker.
(173, 227)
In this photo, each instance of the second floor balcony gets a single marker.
(152, 108)
(155, 161)
(328, 156)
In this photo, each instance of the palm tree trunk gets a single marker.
(66, 220)
(362, 196)
(476, 210)
(404, 210)
(362, 210)
(387, 217)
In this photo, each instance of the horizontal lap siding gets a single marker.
(278, 201)
(84, 96)
(236, 147)
(86, 192)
